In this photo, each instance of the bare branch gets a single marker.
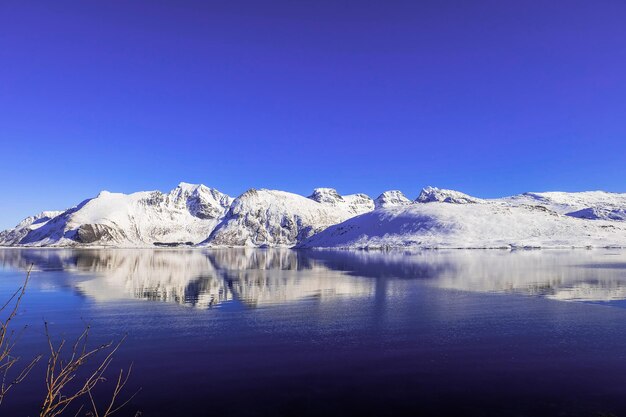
(8, 340)
(63, 368)
(60, 373)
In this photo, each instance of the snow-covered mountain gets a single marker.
(279, 218)
(437, 218)
(592, 205)
(391, 198)
(446, 218)
(353, 204)
(15, 235)
(438, 195)
(188, 213)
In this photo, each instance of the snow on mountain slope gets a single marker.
(186, 214)
(13, 236)
(599, 213)
(592, 205)
(484, 225)
(201, 201)
(192, 214)
(434, 194)
(353, 204)
(276, 218)
(391, 198)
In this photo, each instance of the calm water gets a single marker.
(287, 333)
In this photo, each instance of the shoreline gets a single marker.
(511, 248)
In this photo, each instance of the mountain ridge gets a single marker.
(197, 215)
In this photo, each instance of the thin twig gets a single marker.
(8, 340)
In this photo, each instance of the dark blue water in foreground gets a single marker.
(285, 333)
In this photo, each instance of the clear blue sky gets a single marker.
(488, 97)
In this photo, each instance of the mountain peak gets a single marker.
(353, 203)
(326, 196)
(104, 193)
(188, 186)
(391, 198)
(433, 194)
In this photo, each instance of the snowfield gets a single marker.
(196, 215)
(488, 225)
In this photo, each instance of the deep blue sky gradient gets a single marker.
(489, 97)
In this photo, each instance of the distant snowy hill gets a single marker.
(592, 205)
(15, 235)
(437, 218)
(446, 218)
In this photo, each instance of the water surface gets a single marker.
(306, 333)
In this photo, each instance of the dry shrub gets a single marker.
(72, 373)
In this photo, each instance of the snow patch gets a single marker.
(467, 226)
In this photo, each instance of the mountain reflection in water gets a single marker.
(309, 333)
(254, 278)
